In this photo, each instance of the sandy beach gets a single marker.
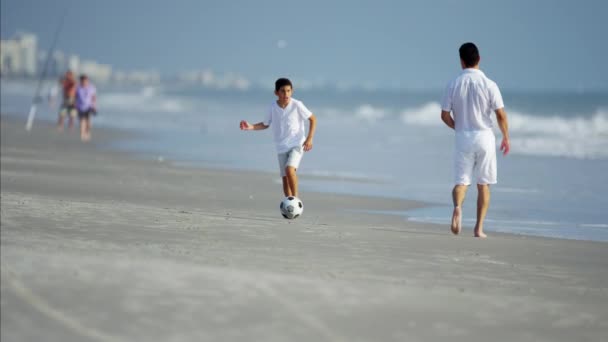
(97, 245)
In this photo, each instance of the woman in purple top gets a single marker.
(86, 98)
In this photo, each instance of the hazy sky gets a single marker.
(536, 44)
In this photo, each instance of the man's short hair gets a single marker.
(469, 54)
(281, 82)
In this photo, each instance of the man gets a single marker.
(472, 97)
(86, 99)
(68, 85)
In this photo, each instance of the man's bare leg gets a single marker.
(458, 194)
(483, 202)
(292, 180)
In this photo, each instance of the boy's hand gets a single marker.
(307, 145)
(246, 126)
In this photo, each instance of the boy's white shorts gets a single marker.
(292, 158)
(475, 157)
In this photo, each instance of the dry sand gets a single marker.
(99, 246)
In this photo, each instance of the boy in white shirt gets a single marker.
(287, 116)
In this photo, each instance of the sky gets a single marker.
(541, 44)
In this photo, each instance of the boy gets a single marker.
(86, 101)
(287, 115)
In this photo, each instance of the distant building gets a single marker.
(28, 47)
(18, 56)
(140, 77)
(100, 73)
(10, 61)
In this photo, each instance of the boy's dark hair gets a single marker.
(469, 54)
(281, 82)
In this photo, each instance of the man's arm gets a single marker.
(447, 118)
(311, 133)
(503, 124)
(246, 126)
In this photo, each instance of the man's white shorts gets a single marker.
(475, 157)
(290, 158)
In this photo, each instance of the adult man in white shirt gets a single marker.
(472, 97)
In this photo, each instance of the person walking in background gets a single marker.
(471, 98)
(68, 85)
(86, 102)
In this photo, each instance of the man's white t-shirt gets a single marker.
(288, 124)
(472, 97)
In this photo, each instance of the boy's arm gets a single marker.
(311, 133)
(246, 126)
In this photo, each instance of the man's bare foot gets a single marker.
(480, 235)
(456, 221)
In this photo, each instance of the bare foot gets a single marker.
(456, 221)
(480, 235)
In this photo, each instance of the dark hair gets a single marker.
(83, 77)
(469, 54)
(281, 82)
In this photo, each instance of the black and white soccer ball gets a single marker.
(291, 207)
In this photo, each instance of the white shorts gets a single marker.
(475, 157)
(291, 158)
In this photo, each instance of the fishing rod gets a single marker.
(36, 99)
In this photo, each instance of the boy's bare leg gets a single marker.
(83, 129)
(292, 180)
(458, 194)
(89, 128)
(483, 202)
(286, 189)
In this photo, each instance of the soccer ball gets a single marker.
(291, 207)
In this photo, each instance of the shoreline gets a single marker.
(110, 142)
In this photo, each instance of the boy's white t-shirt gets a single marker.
(288, 125)
(472, 97)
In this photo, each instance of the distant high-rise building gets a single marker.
(96, 72)
(10, 63)
(28, 52)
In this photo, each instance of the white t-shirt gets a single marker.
(472, 97)
(288, 124)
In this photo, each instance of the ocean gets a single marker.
(385, 143)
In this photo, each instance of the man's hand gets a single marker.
(505, 146)
(307, 145)
(246, 126)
